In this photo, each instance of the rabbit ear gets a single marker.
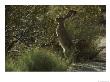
(72, 12)
(69, 14)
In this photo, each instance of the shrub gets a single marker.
(87, 50)
(36, 60)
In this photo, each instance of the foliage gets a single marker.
(36, 60)
(29, 26)
(35, 25)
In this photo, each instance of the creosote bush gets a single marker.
(36, 60)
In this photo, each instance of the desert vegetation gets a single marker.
(31, 42)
